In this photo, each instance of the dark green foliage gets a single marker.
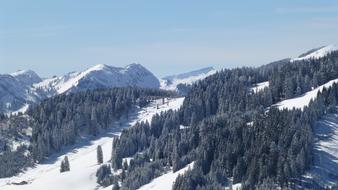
(65, 167)
(142, 174)
(230, 132)
(104, 175)
(12, 163)
(13, 128)
(116, 186)
(99, 154)
(58, 121)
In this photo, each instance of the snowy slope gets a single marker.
(165, 182)
(304, 100)
(14, 93)
(171, 82)
(82, 158)
(23, 88)
(260, 86)
(26, 77)
(101, 76)
(325, 169)
(318, 53)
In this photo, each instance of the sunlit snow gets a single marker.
(82, 158)
(304, 100)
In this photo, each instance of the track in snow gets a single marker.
(325, 168)
(82, 158)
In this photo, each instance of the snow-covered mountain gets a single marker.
(16, 90)
(25, 87)
(100, 76)
(172, 82)
(26, 77)
(316, 53)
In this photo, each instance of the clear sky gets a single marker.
(55, 37)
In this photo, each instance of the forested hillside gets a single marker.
(61, 120)
(231, 133)
(231, 130)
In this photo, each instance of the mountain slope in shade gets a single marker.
(16, 90)
(324, 170)
(316, 53)
(25, 87)
(26, 77)
(172, 82)
(100, 76)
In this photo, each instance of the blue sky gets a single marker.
(55, 37)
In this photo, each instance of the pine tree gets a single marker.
(65, 165)
(99, 154)
(116, 185)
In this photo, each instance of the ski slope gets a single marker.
(304, 100)
(325, 169)
(82, 158)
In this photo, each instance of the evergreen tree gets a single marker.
(65, 165)
(99, 154)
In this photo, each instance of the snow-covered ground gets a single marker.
(82, 158)
(304, 100)
(325, 169)
(318, 53)
(172, 82)
(165, 182)
(237, 186)
(260, 86)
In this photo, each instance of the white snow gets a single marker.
(19, 72)
(325, 169)
(23, 109)
(101, 76)
(82, 158)
(184, 127)
(237, 186)
(318, 53)
(260, 86)
(172, 83)
(165, 182)
(63, 87)
(304, 100)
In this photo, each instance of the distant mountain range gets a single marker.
(23, 88)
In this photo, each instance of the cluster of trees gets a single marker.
(296, 78)
(58, 121)
(13, 130)
(230, 133)
(12, 162)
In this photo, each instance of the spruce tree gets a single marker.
(99, 155)
(116, 185)
(65, 165)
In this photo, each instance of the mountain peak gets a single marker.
(27, 77)
(317, 53)
(134, 65)
(23, 72)
(98, 67)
